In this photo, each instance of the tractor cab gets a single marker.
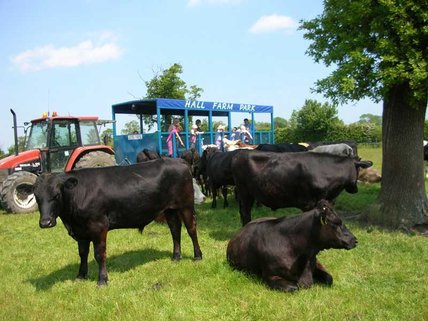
(54, 144)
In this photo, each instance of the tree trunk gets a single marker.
(402, 201)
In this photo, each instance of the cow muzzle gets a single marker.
(47, 222)
(350, 243)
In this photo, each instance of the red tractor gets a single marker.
(55, 144)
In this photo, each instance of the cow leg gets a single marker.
(279, 283)
(214, 194)
(100, 257)
(189, 220)
(245, 205)
(174, 224)
(83, 253)
(224, 191)
(321, 275)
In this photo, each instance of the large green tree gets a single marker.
(167, 83)
(379, 49)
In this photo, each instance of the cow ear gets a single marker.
(323, 216)
(70, 183)
(323, 209)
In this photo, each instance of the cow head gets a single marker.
(352, 187)
(333, 233)
(49, 191)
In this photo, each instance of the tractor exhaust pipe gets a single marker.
(15, 131)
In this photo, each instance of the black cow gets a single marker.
(203, 161)
(219, 174)
(92, 201)
(283, 251)
(279, 180)
(282, 148)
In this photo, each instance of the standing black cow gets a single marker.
(92, 201)
(219, 174)
(203, 161)
(283, 251)
(279, 180)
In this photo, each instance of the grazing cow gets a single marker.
(283, 251)
(218, 172)
(282, 148)
(92, 201)
(340, 149)
(369, 175)
(279, 180)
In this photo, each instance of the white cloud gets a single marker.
(273, 23)
(87, 52)
(193, 3)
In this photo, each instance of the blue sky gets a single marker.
(79, 57)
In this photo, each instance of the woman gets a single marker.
(173, 129)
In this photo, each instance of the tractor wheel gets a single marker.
(17, 193)
(95, 159)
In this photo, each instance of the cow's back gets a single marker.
(131, 196)
(291, 179)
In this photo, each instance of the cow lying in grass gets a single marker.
(283, 251)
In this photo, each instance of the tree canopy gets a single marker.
(167, 83)
(374, 45)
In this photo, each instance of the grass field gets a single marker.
(384, 278)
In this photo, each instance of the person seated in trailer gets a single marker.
(174, 130)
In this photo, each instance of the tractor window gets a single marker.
(64, 134)
(38, 135)
(89, 133)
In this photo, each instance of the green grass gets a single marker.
(384, 278)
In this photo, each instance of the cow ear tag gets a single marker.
(322, 217)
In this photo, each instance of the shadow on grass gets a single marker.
(117, 263)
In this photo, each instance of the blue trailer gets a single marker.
(128, 146)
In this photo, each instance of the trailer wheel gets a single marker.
(95, 159)
(17, 195)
